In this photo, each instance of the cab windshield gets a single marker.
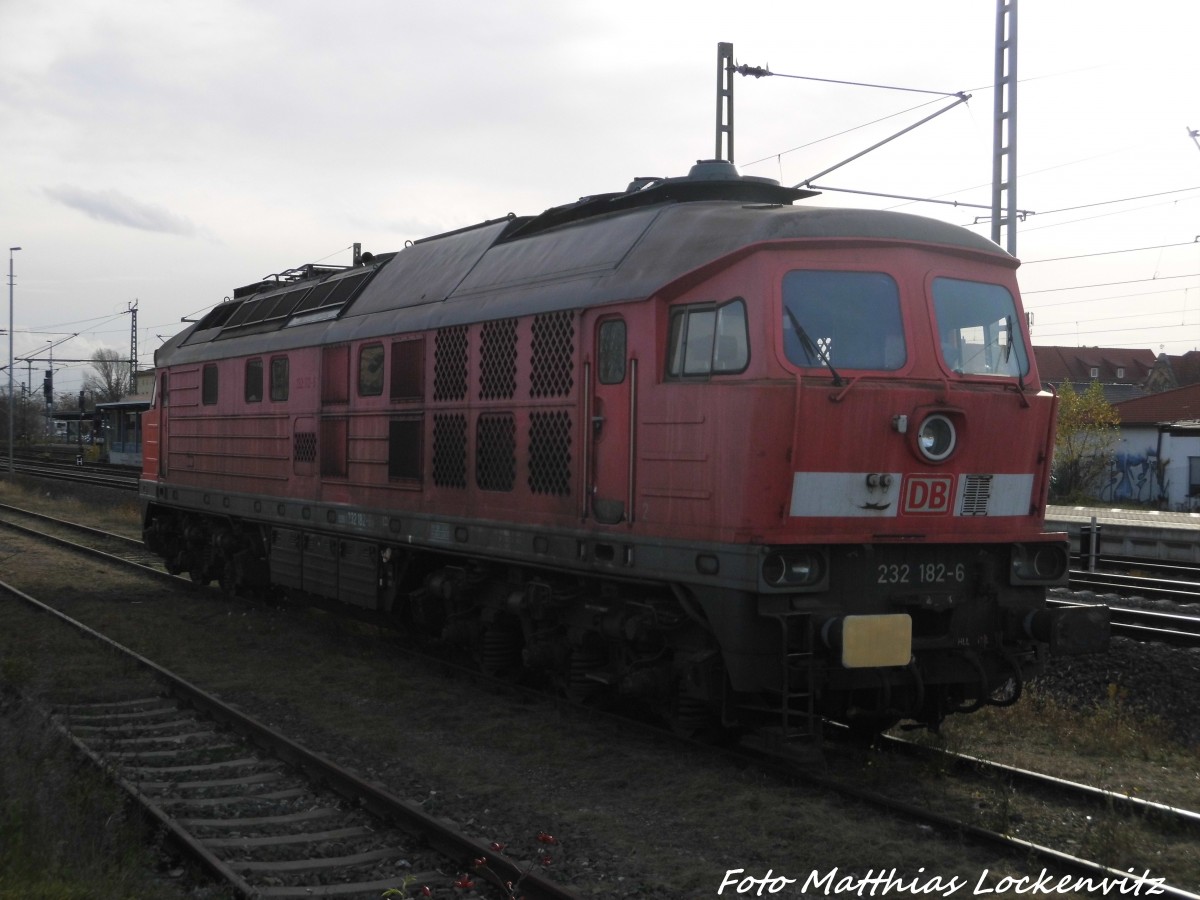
(978, 329)
(842, 320)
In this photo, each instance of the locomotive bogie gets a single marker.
(742, 462)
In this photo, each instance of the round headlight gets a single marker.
(1040, 563)
(936, 438)
(1050, 562)
(799, 568)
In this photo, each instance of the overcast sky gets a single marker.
(167, 152)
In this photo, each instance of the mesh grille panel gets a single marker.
(498, 360)
(450, 450)
(304, 446)
(550, 453)
(552, 355)
(450, 363)
(496, 452)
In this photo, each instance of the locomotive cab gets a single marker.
(912, 556)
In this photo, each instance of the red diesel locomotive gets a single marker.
(746, 462)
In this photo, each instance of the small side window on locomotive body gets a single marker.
(370, 370)
(408, 370)
(731, 351)
(405, 442)
(254, 380)
(208, 385)
(706, 339)
(610, 352)
(279, 378)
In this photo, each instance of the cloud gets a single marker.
(116, 208)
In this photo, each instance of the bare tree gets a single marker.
(110, 380)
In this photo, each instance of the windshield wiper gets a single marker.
(1008, 323)
(813, 350)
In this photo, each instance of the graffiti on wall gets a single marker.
(1135, 477)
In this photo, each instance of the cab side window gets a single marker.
(708, 339)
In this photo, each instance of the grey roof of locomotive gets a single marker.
(603, 250)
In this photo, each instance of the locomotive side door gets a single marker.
(154, 431)
(610, 433)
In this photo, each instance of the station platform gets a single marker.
(1149, 533)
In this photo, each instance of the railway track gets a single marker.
(91, 474)
(1167, 816)
(262, 813)
(106, 545)
(1179, 629)
(1131, 585)
(1062, 862)
(273, 820)
(1000, 795)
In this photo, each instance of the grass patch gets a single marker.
(1109, 728)
(65, 832)
(101, 507)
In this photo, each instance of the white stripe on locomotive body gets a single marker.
(886, 495)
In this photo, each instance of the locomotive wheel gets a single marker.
(230, 581)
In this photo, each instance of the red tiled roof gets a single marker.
(1075, 364)
(1165, 406)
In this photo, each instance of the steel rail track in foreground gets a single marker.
(1121, 882)
(794, 767)
(1177, 570)
(1148, 625)
(1182, 590)
(132, 551)
(305, 767)
(1173, 816)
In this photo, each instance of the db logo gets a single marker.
(926, 495)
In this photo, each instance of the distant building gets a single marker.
(1156, 460)
(122, 423)
(1164, 406)
(1157, 457)
(1175, 371)
(1123, 374)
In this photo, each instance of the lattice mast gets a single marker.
(724, 148)
(1004, 127)
(133, 351)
